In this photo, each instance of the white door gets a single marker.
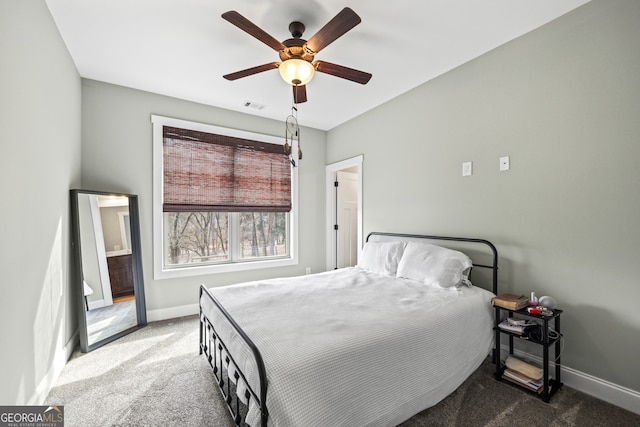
(344, 212)
(347, 219)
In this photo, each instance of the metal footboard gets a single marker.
(213, 347)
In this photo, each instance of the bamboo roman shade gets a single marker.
(210, 172)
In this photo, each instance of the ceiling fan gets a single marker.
(297, 54)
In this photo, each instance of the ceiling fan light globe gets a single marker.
(296, 71)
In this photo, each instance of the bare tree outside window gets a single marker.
(263, 234)
(203, 237)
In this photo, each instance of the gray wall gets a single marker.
(564, 103)
(111, 227)
(39, 162)
(117, 156)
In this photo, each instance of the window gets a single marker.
(224, 200)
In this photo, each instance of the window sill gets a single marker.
(170, 273)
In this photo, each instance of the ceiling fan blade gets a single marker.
(299, 94)
(252, 29)
(342, 72)
(340, 24)
(251, 71)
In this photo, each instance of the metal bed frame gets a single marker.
(213, 347)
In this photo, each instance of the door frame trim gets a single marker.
(330, 202)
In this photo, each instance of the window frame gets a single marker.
(160, 271)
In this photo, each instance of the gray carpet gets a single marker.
(155, 377)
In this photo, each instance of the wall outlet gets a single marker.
(467, 168)
(308, 271)
(504, 163)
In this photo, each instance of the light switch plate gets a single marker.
(504, 163)
(467, 168)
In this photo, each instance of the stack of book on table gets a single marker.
(510, 301)
(523, 374)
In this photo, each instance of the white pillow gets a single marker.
(381, 257)
(433, 264)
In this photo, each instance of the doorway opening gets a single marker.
(344, 212)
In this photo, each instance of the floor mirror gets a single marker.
(108, 266)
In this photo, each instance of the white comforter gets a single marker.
(353, 348)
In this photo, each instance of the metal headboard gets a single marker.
(494, 251)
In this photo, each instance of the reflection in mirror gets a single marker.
(108, 266)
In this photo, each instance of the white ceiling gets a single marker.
(182, 48)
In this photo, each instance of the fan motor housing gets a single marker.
(295, 49)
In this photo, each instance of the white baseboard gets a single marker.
(96, 304)
(59, 361)
(172, 312)
(604, 390)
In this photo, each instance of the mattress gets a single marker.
(353, 348)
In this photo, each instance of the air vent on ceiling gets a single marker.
(254, 105)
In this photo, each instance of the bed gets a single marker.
(370, 345)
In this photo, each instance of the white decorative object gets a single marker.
(547, 302)
(292, 133)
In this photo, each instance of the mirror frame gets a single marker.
(138, 281)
